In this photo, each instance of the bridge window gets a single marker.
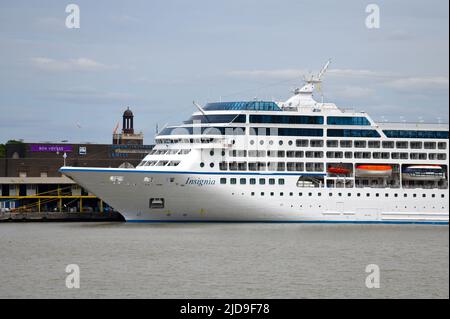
(286, 131)
(347, 120)
(239, 106)
(352, 133)
(284, 119)
(226, 118)
(416, 134)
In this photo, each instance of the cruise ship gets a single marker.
(294, 161)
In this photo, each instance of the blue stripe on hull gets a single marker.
(290, 222)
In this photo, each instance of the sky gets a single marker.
(156, 57)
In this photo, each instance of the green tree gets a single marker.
(14, 142)
(2, 151)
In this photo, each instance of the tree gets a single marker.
(14, 142)
(2, 151)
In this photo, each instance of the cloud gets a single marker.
(273, 74)
(353, 92)
(90, 96)
(78, 64)
(293, 73)
(126, 19)
(391, 80)
(358, 73)
(420, 83)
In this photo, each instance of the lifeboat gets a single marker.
(373, 171)
(338, 170)
(423, 173)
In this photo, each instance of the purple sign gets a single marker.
(51, 148)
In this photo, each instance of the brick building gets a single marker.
(30, 179)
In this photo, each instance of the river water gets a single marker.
(119, 260)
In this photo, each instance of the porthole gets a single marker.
(252, 142)
(211, 165)
(270, 142)
(202, 164)
(261, 142)
(211, 153)
(280, 142)
(290, 143)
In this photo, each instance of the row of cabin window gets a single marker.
(386, 195)
(290, 154)
(386, 155)
(388, 144)
(330, 154)
(170, 152)
(361, 144)
(252, 181)
(319, 143)
(271, 166)
(159, 163)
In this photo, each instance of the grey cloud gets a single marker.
(89, 96)
(77, 64)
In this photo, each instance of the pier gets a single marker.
(60, 217)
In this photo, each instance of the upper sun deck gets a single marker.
(300, 115)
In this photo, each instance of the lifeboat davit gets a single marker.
(338, 170)
(373, 171)
(423, 173)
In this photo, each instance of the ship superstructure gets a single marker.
(293, 161)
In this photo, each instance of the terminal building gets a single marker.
(30, 180)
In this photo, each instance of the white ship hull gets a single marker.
(266, 161)
(199, 197)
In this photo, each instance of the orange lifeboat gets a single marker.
(338, 170)
(373, 170)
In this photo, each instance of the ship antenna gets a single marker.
(324, 69)
(200, 109)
